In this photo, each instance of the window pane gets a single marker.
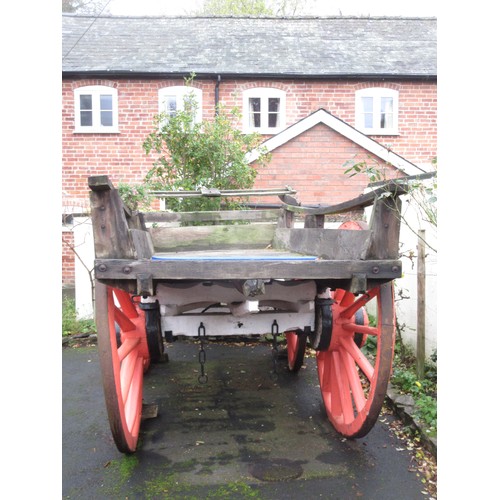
(273, 109)
(273, 120)
(107, 118)
(254, 105)
(86, 118)
(386, 112)
(85, 101)
(367, 112)
(106, 102)
(367, 104)
(170, 105)
(274, 105)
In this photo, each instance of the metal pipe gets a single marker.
(217, 95)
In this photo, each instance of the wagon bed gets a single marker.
(281, 270)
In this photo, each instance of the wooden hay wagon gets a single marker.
(275, 271)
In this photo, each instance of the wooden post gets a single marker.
(421, 305)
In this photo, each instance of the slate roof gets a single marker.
(250, 46)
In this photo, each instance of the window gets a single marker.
(96, 109)
(377, 111)
(172, 99)
(264, 110)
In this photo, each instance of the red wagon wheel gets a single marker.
(353, 380)
(123, 363)
(296, 349)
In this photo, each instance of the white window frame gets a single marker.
(377, 93)
(179, 92)
(96, 91)
(264, 93)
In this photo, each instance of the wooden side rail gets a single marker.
(213, 216)
(122, 234)
(384, 226)
(391, 189)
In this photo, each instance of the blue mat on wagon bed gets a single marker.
(239, 255)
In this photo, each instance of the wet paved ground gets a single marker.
(241, 435)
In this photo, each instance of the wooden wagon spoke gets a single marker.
(359, 303)
(133, 406)
(123, 321)
(126, 304)
(127, 346)
(348, 298)
(127, 368)
(324, 369)
(335, 401)
(360, 359)
(343, 388)
(368, 330)
(354, 381)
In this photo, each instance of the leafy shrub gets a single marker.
(135, 196)
(71, 325)
(192, 155)
(423, 391)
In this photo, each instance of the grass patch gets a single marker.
(234, 490)
(71, 325)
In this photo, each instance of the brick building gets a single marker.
(321, 91)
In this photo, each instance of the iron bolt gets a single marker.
(102, 268)
(127, 270)
(375, 270)
(395, 269)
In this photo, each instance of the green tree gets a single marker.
(83, 6)
(422, 193)
(252, 7)
(194, 155)
(235, 7)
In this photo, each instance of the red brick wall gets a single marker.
(68, 259)
(313, 163)
(121, 155)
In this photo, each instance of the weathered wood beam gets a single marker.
(100, 183)
(143, 243)
(126, 269)
(365, 200)
(327, 243)
(110, 226)
(385, 225)
(212, 237)
(213, 216)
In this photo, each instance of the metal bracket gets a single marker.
(145, 285)
(358, 283)
(253, 288)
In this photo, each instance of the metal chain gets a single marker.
(274, 332)
(202, 355)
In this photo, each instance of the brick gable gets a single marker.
(313, 163)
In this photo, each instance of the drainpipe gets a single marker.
(217, 95)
